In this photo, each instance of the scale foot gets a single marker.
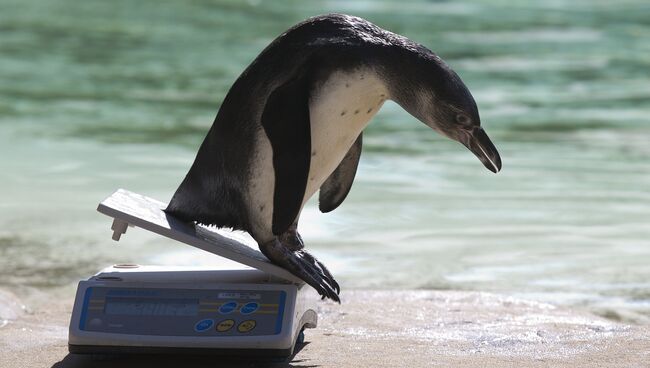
(301, 337)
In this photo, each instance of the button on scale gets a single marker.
(228, 307)
(203, 325)
(249, 308)
(246, 326)
(225, 325)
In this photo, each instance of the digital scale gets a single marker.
(256, 311)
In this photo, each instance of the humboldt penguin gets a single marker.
(292, 125)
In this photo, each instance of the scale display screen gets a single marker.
(151, 307)
(182, 312)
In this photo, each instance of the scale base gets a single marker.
(131, 309)
(129, 350)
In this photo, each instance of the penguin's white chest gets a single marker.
(339, 110)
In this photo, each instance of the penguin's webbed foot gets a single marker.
(303, 265)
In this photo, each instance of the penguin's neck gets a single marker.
(414, 76)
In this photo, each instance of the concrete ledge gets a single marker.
(387, 329)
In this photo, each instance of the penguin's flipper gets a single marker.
(338, 184)
(286, 122)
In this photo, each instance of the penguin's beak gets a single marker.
(480, 144)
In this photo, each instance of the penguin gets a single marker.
(292, 123)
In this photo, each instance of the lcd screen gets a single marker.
(151, 307)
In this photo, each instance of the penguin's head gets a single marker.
(437, 96)
(453, 113)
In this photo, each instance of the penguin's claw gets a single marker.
(325, 271)
(305, 266)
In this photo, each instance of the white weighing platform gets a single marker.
(257, 311)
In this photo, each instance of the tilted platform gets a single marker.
(128, 208)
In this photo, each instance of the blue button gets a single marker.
(249, 308)
(227, 307)
(203, 325)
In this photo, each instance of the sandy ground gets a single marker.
(379, 329)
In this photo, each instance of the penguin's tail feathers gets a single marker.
(191, 203)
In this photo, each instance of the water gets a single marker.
(96, 95)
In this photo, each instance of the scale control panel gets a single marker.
(182, 312)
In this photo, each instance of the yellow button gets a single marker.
(246, 326)
(225, 325)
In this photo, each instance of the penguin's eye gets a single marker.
(462, 119)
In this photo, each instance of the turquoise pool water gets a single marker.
(96, 95)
